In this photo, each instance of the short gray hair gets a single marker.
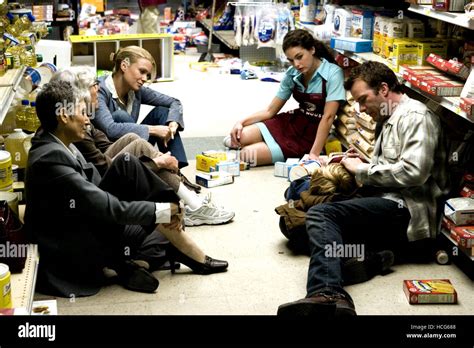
(81, 77)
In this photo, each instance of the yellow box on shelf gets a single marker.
(404, 52)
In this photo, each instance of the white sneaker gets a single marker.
(207, 214)
(207, 198)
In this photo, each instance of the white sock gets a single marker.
(189, 197)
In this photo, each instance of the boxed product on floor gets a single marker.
(220, 155)
(429, 291)
(282, 168)
(232, 167)
(460, 210)
(351, 44)
(214, 179)
(207, 160)
(205, 163)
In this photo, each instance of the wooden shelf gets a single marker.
(95, 50)
(456, 18)
(226, 36)
(23, 284)
(8, 85)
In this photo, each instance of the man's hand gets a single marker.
(167, 161)
(351, 164)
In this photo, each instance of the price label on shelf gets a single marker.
(457, 110)
(427, 11)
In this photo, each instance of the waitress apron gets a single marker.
(295, 130)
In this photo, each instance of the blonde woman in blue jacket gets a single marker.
(121, 96)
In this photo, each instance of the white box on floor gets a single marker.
(209, 180)
(231, 167)
(282, 168)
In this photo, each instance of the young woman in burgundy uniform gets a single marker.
(316, 82)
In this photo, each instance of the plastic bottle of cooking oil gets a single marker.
(32, 121)
(21, 114)
(18, 144)
(28, 56)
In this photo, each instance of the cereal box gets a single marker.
(429, 291)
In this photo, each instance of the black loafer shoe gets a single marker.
(136, 278)
(323, 305)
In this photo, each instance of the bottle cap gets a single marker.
(4, 270)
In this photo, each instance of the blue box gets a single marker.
(351, 44)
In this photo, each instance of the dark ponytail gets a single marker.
(305, 39)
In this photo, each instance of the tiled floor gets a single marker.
(263, 273)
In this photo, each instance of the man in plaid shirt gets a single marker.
(407, 177)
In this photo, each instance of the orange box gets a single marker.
(429, 291)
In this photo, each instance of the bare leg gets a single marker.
(175, 234)
(256, 154)
(250, 135)
(254, 149)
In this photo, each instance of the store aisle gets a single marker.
(262, 273)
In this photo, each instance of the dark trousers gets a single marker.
(373, 222)
(159, 116)
(129, 179)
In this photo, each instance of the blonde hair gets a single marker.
(132, 54)
(334, 178)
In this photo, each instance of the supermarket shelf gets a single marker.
(461, 19)
(23, 284)
(447, 235)
(226, 36)
(450, 103)
(8, 85)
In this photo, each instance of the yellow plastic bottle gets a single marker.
(18, 144)
(31, 118)
(21, 114)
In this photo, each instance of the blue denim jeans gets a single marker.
(372, 222)
(158, 116)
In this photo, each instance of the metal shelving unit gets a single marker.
(227, 37)
(461, 19)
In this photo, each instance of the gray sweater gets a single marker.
(104, 121)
